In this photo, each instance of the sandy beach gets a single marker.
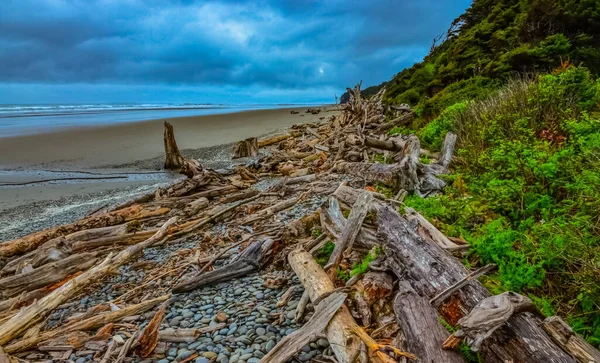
(94, 147)
(53, 178)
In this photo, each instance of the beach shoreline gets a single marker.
(94, 166)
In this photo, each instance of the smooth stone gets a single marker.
(323, 343)
(209, 355)
(270, 344)
(172, 352)
(183, 354)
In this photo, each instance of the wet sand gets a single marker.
(93, 147)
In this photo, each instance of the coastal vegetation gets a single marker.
(517, 81)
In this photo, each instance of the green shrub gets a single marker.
(527, 192)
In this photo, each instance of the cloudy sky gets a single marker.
(272, 51)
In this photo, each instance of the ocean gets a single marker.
(17, 120)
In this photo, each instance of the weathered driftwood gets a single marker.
(351, 229)
(148, 339)
(173, 158)
(304, 300)
(564, 336)
(333, 222)
(423, 334)
(273, 140)
(486, 317)
(245, 148)
(187, 335)
(291, 344)
(285, 298)
(34, 240)
(272, 210)
(30, 315)
(344, 344)
(36, 278)
(347, 339)
(430, 270)
(93, 322)
(430, 229)
(248, 261)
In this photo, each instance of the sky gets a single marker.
(262, 51)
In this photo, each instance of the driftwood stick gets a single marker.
(187, 335)
(291, 344)
(304, 300)
(439, 298)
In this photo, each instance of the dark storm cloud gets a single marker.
(282, 44)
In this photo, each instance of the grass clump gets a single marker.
(324, 253)
(363, 266)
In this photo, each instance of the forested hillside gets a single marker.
(517, 80)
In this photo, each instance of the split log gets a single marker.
(187, 335)
(270, 211)
(250, 260)
(93, 322)
(30, 315)
(351, 229)
(195, 206)
(431, 270)
(564, 336)
(333, 222)
(291, 344)
(173, 158)
(245, 148)
(347, 339)
(344, 344)
(423, 334)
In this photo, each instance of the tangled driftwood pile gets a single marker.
(392, 312)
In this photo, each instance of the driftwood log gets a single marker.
(291, 344)
(250, 260)
(430, 270)
(564, 336)
(348, 340)
(423, 334)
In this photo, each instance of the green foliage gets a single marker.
(526, 193)
(324, 253)
(314, 232)
(341, 274)
(363, 266)
(385, 190)
(492, 42)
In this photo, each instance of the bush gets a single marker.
(527, 192)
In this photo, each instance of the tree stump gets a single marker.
(245, 148)
(173, 158)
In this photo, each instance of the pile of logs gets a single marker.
(391, 312)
